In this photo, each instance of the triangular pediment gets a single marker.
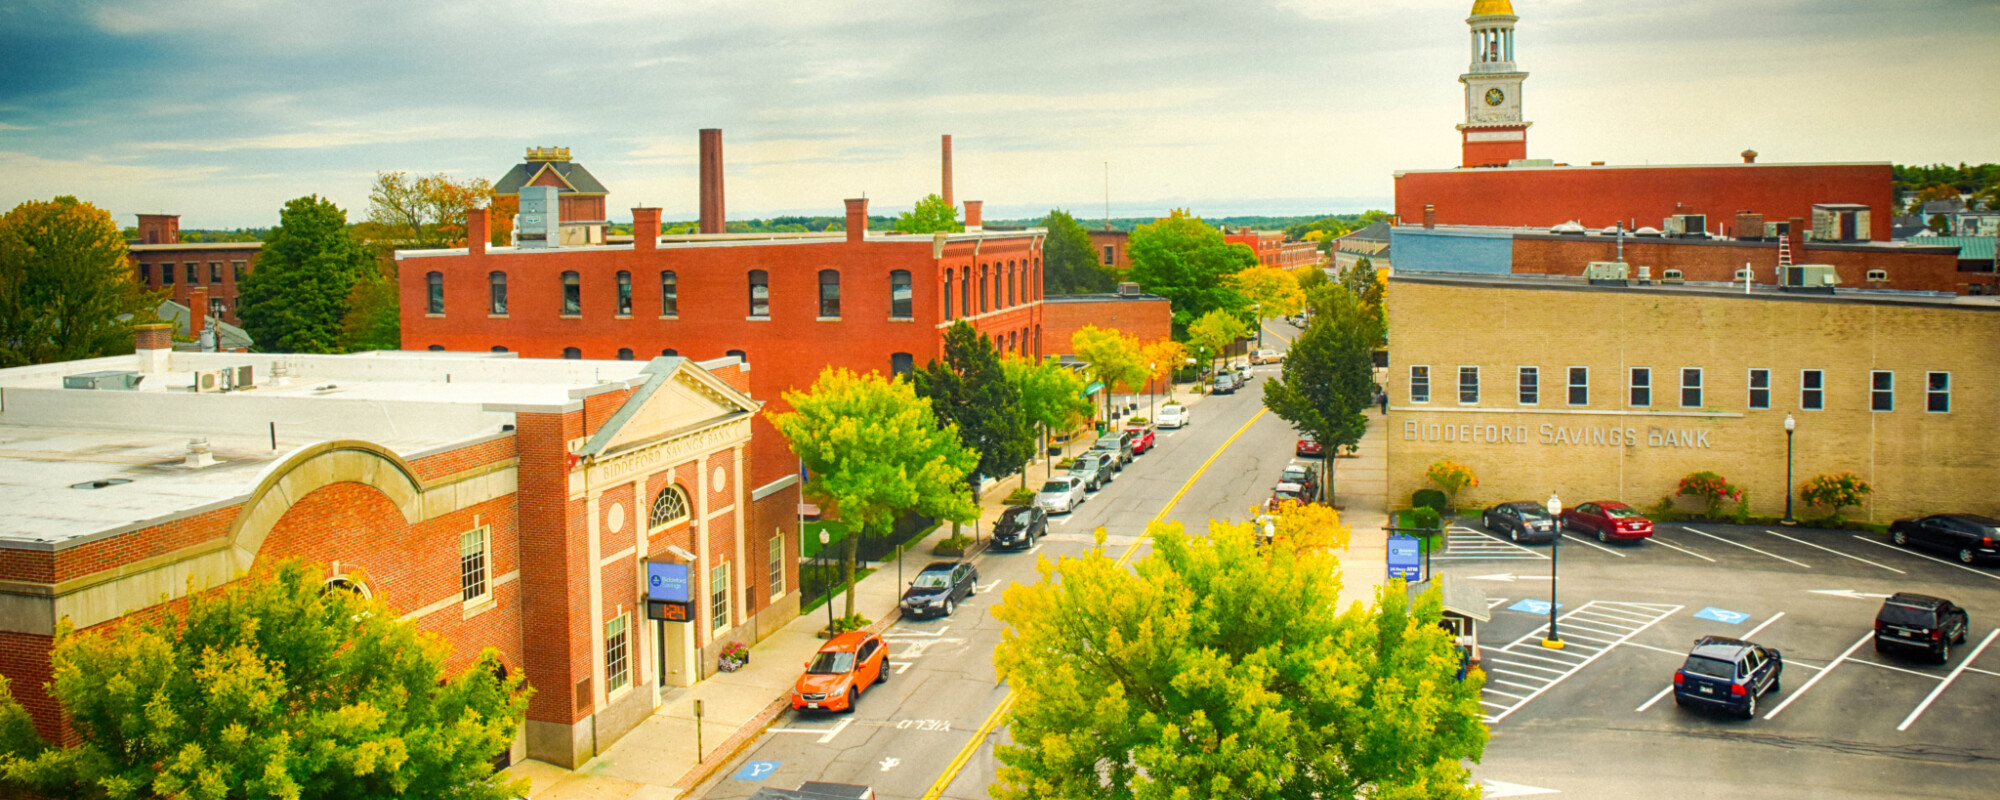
(548, 176)
(677, 397)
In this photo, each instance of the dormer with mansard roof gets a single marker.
(580, 198)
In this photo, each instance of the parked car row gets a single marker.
(1298, 483)
(1096, 467)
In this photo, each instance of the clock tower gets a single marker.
(1493, 131)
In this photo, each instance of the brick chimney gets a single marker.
(153, 343)
(1796, 232)
(1749, 156)
(947, 171)
(197, 311)
(711, 182)
(645, 229)
(857, 219)
(476, 230)
(1430, 217)
(973, 221)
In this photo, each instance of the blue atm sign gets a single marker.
(1405, 557)
(667, 582)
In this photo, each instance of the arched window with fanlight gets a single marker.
(670, 507)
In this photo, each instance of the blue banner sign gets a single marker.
(667, 582)
(1405, 557)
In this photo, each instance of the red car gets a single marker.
(1609, 520)
(842, 669)
(1308, 445)
(1142, 438)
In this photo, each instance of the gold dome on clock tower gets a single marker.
(1488, 8)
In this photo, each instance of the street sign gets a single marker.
(757, 770)
(1722, 615)
(667, 582)
(1405, 557)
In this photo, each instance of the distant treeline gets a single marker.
(1966, 178)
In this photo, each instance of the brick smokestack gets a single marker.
(857, 219)
(711, 182)
(645, 229)
(973, 209)
(947, 169)
(197, 311)
(1430, 217)
(152, 341)
(477, 230)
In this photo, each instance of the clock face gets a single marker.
(1494, 96)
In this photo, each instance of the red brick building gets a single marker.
(789, 306)
(212, 270)
(492, 500)
(579, 196)
(1273, 251)
(1113, 248)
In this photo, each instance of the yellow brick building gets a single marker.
(1617, 392)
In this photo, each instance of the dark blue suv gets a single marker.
(1728, 674)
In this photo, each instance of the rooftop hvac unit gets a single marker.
(1128, 289)
(1607, 273)
(1808, 278)
(539, 224)
(111, 380)
(1690, 226)
(211, 380)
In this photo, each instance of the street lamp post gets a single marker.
(825, 539)
(1789, 425)
(1257, 309)
(1554, 642)
(1152, 372)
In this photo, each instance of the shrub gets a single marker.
(1021, 496)
(1430, 500)
(1425, 517)
(1711, 488)
(1451, 476)
(849, 623)
(1835, 491)
(1130, 421)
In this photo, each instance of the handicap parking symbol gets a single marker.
(1532, 606)
(1722, 615)
(756, 770)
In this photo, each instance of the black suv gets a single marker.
(1728, 674)
(1920, 621)
(1019, 527)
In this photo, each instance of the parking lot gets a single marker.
(1597, 717)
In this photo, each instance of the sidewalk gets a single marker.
(1361, 486)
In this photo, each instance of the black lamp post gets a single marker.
(1554, 642)
(824, 539)
(1789, 425)
(1152, 391)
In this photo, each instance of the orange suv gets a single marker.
(842, 669)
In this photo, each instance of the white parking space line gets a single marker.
(1466, 544)
(826, 734)
(1746, 547)
(1948, 679)
(1908, 552)
(1762, 625)
(1656, 698)
(1493, 680)
(1822, 673)
(1519, 653)
(1615, 618)
(1893, 668)
(1838, 553)
(1583, 541)
(1587, 623)
(1657, 540)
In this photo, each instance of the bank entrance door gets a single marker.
(676, 642)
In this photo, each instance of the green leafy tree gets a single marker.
(66, 289)
(1214, 332)
(1311, 277)
(1070, 264)
(1051, 396)
(373, 320)
(424, 211)
(1272, 293)
(873, 452)
(970, 392)
(1183, 259)
(1328, 377)
(296, 299)
(1218, 668)
(931, 215)
(1113, 357)
(272, 686)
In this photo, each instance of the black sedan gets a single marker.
(939, 589)
(1020, 527)
(1521, 520)
(1970, 537)
(1728, 674)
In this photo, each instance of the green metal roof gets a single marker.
(1970, 248)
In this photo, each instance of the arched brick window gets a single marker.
(760, 293)
(434, 282)
(572, 301)
(899, 294)
(985, 276)
(670, 507)
(949, 276)
(1010, 284)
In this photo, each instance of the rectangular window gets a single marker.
(1812, 390)
(193, 276)
(1110, 255)
(1937, 392)
(167, 273)
(760, 293)
(1690, 387)
(1420, 384)
(617, 666)
(497, 293)
(215, 272)
(1468, 385)
(236, 270)
(718, 599)
(624, 293)
(1579, 386)
(146, 274)
(572, 301)
(1760, 388)
(435, 292)
(1881, 390)
(777, 565)
(899, 295)
(1642, 386)
(670, 294)
(1531, 385)
(475, 548)
(829, 294)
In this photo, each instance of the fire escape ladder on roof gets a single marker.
(1784, 251)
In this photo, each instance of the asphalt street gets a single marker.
(905, 734)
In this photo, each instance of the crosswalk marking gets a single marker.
(1466, 544)
(1520, 663)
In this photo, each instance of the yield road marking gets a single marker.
(1504, 789)
(1948, 679)
(1838, 553)
(1746, 547)
(1583, 541)
(1927, 558)
(1847, 593)
(1828, 670)
(1659, 540)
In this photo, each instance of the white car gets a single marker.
(1172, 416)
(1060, 494)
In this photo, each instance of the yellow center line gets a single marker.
(1007, 702)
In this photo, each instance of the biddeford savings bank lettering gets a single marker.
(1552, 434)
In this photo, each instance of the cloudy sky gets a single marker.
(220, 110)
